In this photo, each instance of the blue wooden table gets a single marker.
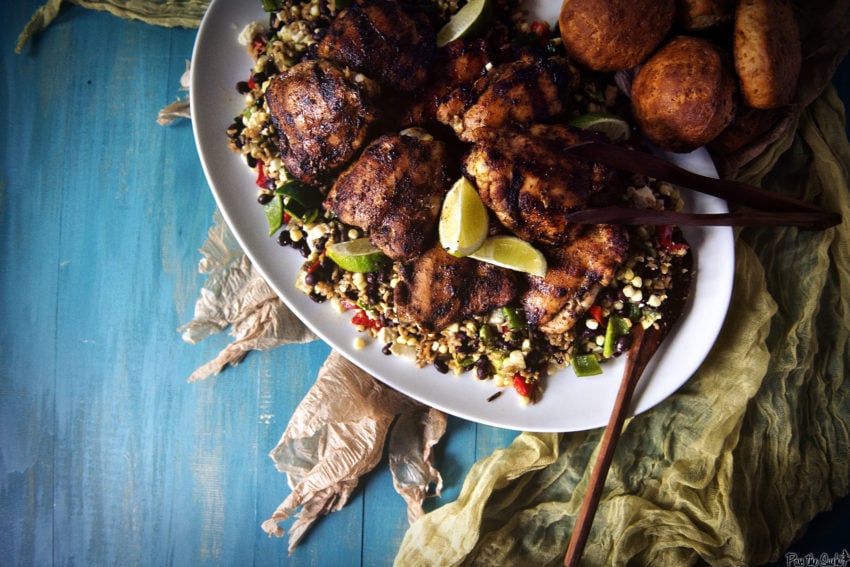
(107, 455)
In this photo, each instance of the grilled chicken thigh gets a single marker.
(526, 179)
(323, 115)
(530, 90)
(457, 66)
(384, 40)
(394, 190)
(437, 289)
(576, 272)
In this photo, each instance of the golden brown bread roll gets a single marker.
(704, 14)
(767, 52)
(684, 96)
(610, 35)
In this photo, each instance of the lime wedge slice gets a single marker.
(472, 19)
(512, 253)
(463, 219)
(358, 255)
(617, 129)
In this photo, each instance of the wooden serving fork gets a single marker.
(645, 343)
(768, 208)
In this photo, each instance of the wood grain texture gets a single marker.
(107, 455)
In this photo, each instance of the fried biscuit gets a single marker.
(684, 96)
(610, 35)
(767, 52)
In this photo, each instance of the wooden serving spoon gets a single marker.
(645, 343)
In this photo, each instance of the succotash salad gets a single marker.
(345, 270)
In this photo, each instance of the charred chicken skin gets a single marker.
(384, 40)
(437, 289)
(394, 190)
(530, 184)
(530, 90)
(457, 66)
(323, 115)
(576, 272)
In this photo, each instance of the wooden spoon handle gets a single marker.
(644, 345)
(811, 220)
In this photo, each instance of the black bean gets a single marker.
(386, 349)
(623, 344)
(312, 278)
(441, 365)
(243, 87)
(264, 198)
(303, 248)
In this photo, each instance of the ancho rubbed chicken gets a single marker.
(526, 179)
(576, 272)
(394, 189)
(437, 289)
(323, 114)
(527, 91)
(456, 68)
(392, 44)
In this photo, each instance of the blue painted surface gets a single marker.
(107, 455)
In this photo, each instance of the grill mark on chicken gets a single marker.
(393, 45)
(457, 66)
(323, 116)
(529, 182)
(394, 191)
(576, 272)
(438, 289)
(530, 90)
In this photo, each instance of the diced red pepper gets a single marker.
(665, 239)
(363, 320)
(314, 266)
(540, 29)
(251, 83)
(596, 312)
(521, 386)
(262, 178)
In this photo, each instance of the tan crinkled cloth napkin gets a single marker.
(732, 466)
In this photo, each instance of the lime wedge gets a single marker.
(463, 219)
(512, 253)
(617, 129)
(358, 255)
(471, 20)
